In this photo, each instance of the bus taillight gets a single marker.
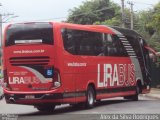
(56, 79)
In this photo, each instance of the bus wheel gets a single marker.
(45, 108)
(138, 89)
(90, 97)
(134, 97)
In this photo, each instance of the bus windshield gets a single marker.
(30, 33)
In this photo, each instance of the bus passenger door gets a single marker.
(146, 69)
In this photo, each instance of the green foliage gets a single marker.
(117, 19)
(91, 11)
(155, 42)
(156, 18)
(143, 25)
(146, 23)
(111, 22)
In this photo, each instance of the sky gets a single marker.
(52, 10)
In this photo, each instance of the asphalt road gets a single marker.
(66, 112)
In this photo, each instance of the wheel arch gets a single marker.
(92, 84)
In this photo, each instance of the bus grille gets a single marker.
(27, 61)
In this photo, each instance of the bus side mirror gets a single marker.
(153, 57)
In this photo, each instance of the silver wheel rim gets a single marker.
(90, 98)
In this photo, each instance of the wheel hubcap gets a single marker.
(90, 98)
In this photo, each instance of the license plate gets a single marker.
(29, 97)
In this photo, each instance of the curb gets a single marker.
(151, 96)
(154, 93)
(155, 89)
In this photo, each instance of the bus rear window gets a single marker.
(30, 33)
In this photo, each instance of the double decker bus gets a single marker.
(50, 63)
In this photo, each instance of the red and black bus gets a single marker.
(49, 63)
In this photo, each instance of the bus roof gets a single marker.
(124, 31)
(127, 32)
(104, 28)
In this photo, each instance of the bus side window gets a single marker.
(68, 40)
(92, 43)
(80, 42)
(109, 46)
(121, 51)
(113, 46)
(86, 46)
(98, 44)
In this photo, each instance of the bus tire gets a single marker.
(90, 97)
(138, 89)
(45, 108)
(134, 97)
(128, 97)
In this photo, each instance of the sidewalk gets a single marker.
(155, 93)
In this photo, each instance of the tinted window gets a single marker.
(120, 48)
(109, 46)
(79, 42)
(29, 33)
(113, 46)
